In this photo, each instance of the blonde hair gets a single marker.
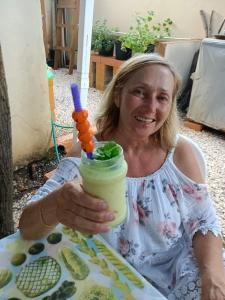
(108, 117)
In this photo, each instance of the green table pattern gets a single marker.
(68, 265)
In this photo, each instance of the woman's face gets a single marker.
(145, 101)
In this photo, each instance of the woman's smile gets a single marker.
(144, 119)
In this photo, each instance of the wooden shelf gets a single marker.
(98, 70)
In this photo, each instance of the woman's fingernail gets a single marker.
(105, 228)
(103, 205)
(110, 216)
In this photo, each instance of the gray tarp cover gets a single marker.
(207, 103)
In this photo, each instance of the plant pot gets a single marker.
(150, 48)
(106, 52)
(50, 58)
(120, 54)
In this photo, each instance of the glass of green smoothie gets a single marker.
(104, 177)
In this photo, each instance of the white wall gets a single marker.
(185, 13)
(24, 61)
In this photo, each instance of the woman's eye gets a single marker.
(163, 98)
(138, 92)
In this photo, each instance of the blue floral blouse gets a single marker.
(165, 210)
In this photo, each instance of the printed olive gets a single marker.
(54, 238)
(18, 259)
(36, 248)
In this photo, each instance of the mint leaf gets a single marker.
(107, 151)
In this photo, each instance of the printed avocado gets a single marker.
(18, 259)
(98, 292)
(36, 248)
(54, 238)
(77, 267)
(5, 277)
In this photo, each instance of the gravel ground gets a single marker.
(212, 143)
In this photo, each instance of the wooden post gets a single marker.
(115, 69)
(100, 76)
(91, 75)
(6, 166)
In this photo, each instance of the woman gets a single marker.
(171, 234)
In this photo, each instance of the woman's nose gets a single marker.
(151, 102)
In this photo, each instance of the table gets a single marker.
(68, 265)
(207, 105)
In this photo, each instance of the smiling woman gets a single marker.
(145, 101)
(171, 233)
(134, 79)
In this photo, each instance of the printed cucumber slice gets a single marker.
(38, 277)
(75, 264)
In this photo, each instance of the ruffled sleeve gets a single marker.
(67, 170)
(197, 210)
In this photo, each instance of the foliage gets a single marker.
(108, 151)
(102, 36)
(145, 33)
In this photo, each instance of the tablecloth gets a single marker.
(68, 265)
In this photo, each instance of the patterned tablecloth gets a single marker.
(68, 265)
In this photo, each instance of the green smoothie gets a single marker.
(104, 177)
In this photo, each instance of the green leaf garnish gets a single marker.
(107, 151)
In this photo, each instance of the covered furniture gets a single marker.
(207, 103)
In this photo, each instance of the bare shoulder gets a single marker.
(75, 151)
(189, 161)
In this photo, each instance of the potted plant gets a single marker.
(121, 53)
(144, 35)
(103, 38)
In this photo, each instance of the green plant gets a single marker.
(145, 33)
(102, 36)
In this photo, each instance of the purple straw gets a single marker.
(90, 155)
(76, 97)
(78, 106)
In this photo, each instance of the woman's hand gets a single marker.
(81, 211)
(213, 286)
